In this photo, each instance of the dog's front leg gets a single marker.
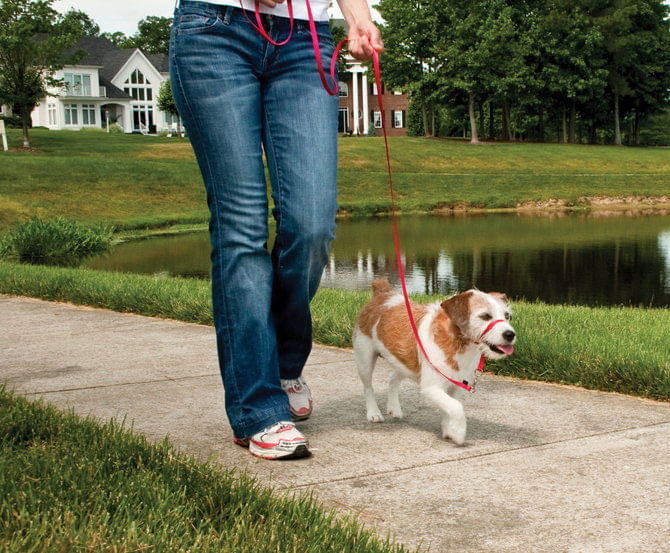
(453, 415)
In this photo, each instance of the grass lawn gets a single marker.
(134, 181)
(619, 349)
(68, 484)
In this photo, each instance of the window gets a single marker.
(373, 89)
(70, 112)
(343, 88)
(398, 119)
(143, 117)
(377, 119)
(88, 114)
(77, 85)
(139, 88)
(397, 92)
(52, 115)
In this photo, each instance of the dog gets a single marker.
(456, 334)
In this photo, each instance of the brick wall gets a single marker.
(395, 108)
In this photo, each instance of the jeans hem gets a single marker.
(270, 417)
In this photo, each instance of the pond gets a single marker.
(583, 259)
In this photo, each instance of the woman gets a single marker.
(239, 96)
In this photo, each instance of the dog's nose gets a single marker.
(509, 335)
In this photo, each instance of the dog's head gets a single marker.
(475, 314)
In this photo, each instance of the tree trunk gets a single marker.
(565, 127)
(592, 131)
(432, 121)
(637, 129)
(492, 133)
(540, 116)
(573, 118)
(482, 124)
(473, 123)
(25, 119)
(617, 126)
(506, 134)
(424, 112)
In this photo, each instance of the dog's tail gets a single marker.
(381, 286)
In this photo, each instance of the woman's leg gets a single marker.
(216, 62)
(300, 139)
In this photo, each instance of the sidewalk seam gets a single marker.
(477, 456)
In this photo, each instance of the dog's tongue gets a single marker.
(509, 350)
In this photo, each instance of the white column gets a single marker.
(364, 91)
(354, 85)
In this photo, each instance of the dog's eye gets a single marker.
(486, 316)
(508, 316)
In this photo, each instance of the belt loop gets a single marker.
(228, 14)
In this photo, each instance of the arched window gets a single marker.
(343, 88)
(139, 87)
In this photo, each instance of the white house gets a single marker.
(109, 85)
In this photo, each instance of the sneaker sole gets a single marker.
(304, 417)
(298, 453)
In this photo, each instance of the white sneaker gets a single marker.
(299, 398)
(279, 441)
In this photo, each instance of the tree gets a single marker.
(568, 61)
(409, 60)
(152, 36)
(81, 23)
(32, 40)
(166, 102)
(636, 38)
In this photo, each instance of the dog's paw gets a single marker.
(395, 412)
(375, 416)
(455, 431)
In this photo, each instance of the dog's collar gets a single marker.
(480, 367)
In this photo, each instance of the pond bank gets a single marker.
(596, 206)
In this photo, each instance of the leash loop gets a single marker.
(258, 26)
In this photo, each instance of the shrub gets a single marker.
(115, 128)
(56, 241)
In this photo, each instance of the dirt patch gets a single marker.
(176, 150)
(599, 205)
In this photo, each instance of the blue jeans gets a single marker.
(239, 96)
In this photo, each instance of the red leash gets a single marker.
(333, 91)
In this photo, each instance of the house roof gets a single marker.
(110, 58)
(112, 91)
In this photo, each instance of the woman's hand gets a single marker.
(364, 36)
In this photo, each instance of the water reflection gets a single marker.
(557, 259)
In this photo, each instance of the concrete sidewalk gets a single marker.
(544, 467)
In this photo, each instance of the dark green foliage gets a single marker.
(56, 241)
(566, 70)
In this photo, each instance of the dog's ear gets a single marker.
(500, 296)
(458, 308)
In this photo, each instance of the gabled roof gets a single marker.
(160, 61)
(104, 53)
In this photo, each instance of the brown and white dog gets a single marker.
(454, 335)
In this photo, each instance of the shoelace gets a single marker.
(296, 384)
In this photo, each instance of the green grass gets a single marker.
(133, 181)
(618, 349)
(69, 484)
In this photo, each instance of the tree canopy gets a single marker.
(531, 69)
(33, 37)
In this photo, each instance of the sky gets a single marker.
(123, 15)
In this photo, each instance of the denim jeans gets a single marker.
(238, 96)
